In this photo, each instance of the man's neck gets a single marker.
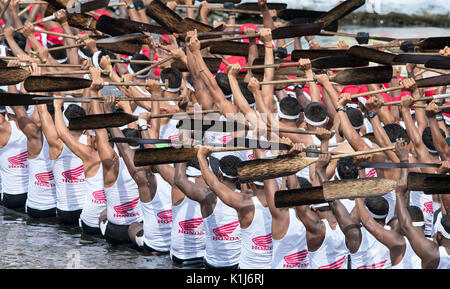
(230, 185)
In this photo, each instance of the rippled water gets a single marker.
(26, 243)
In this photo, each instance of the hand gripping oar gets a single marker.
(155, 156)
(334, 190)
(356, 76)
(261, 169)
(118, 119)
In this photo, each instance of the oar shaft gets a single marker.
(420, 99)
(167, 59)
(184, 113)
(288, 81)
(360, 153)
(377, 91)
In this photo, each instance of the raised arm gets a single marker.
(427, 250)
(192, 190)
(438, 140)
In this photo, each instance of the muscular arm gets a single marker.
(32, 131)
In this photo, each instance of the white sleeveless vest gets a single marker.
(291, 251)
(256, 239)
(188, 230)
(123, 206)
(14, 163)
(371, 254)
(444, 259)
(332, 254)
(410, 259)
(69, 179)
(223, 242)
(95, 201)
(158, 217)
(41, 182)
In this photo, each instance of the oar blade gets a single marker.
(429, 183)
(339, 11)
(434, 43)
(213, 64)
(338, 62)
(130, 140)
(334, 190)
(291, 14)
(127, 48)
(372, 55)
(164, 16)
(366, 75)
(52, 83)
(98, 121)
(418, 59)
(440, 80)
(156, 156)
(317, 53)
(296, 30)
(15, 99)
(119, 26)
(13, 75)
(438, 64)
(233, 48)
(261, 169)
(254, 6)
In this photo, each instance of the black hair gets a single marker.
(131, 133)
(346, 169)
(304, 182)
(214, 165)
(246, 92)
(355, 116)
(20, 39)
(138, 66)
(223, 82)
(73, 111)
(415, 213)
(173, 75)
(394, 131)
(427, 138)
(59, 54)
(316, 111)
(289, 106)
(445, 222)
(193, 163)
(228, 165)
(377, 205)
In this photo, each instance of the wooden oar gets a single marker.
(334, 190)
(438, 64)
(424, 82)
(260, 169)
(234, 48)
(118, 119)
(385, 165)
(429, 183)
(277, 33)
(89, 99)
(437, 96)
(244, 8)
(119, 26)
(340, 11)
(13, 75)
(15, 99)
(419, 58)
(372, 55)
(356, 76)
(317, 53)
(213, 64)
(380, 38)
(155, 156)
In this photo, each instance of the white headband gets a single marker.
(193, 172)
(261, 184)
(60, 61)
(168, 89)
(95, 61)
(418, 224)
(189, 86)
(374, 215)
(319, 205)
(314, 123)
(442, 230)
(82, 55)
(228, 96)
(225, 175)
(131, 71)
(337, 174)
(285, 116)
(447, 119)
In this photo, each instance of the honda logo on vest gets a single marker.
(72, 176)
(221, 233)
(18, 161)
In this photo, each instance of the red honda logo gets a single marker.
(165, 217)
(263, 243)
(223, 231)
(17, 161)
(99, 197)
(188, 226)
(294, 260)
(225, 139)
(335, 265)
(378, 265)
(173, 137)
(123, 209)
(72, 176)
(371, 174)
(44, 179)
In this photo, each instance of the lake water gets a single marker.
(28, 243)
